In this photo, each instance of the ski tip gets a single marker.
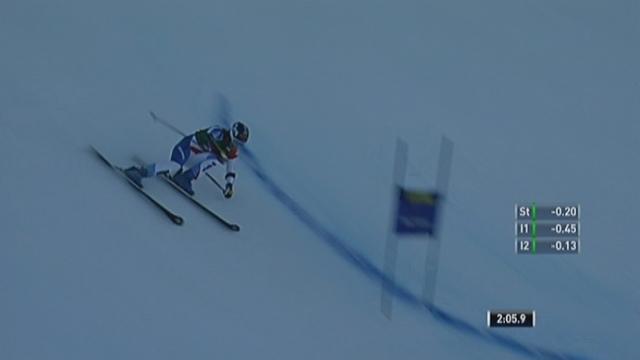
(99, 155)
(97, 152)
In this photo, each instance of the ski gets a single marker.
(229, 225)
(176, 219)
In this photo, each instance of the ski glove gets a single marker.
(228, 191)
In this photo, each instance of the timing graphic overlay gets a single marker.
(547, 229)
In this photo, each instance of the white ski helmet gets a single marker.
(240, 132)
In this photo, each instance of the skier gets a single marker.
(197, 153)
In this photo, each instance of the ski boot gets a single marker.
(183, 179)
(136, 174)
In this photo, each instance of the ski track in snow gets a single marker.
(367, 267)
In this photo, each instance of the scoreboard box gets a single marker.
(547, 229)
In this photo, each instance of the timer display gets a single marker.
(511, 318)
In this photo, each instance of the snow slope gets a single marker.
(539, 98)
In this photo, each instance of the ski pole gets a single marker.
(164, 122)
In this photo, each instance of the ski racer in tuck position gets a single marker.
(197, 153)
